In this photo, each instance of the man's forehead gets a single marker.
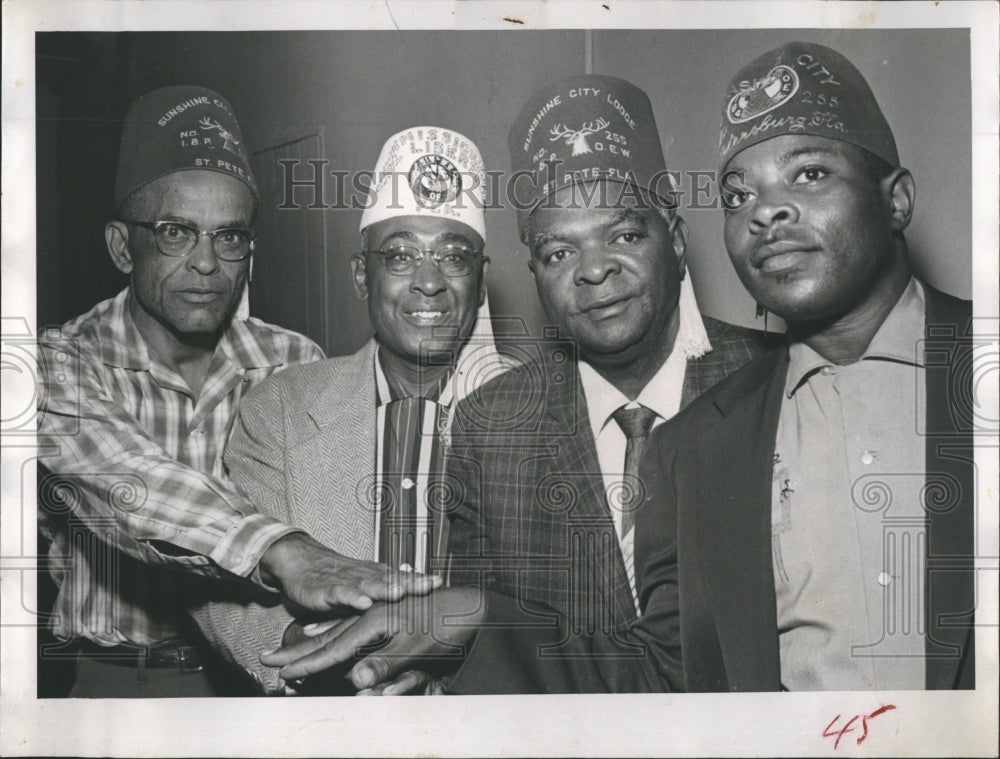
(197, 192)
(780, 151)
(420, 227)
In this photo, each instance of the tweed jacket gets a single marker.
(532, 520)
(302, 450)
(707, 537)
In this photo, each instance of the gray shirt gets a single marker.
(847, 520)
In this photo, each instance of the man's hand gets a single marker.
(413, 682)
(314, 577)
(297, 632)
(413, 631)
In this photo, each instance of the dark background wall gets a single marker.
(336, 96)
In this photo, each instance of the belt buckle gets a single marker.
(188, 667)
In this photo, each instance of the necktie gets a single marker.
(409, 449)
(635, 423)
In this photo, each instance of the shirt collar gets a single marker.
(122, 345)
(603, 398)
(662, 393)
(245, 349)
(899, 338)
(386, 391)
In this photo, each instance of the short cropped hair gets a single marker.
(876, 168)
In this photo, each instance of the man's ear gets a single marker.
(360, 271)
(116, 238)
(900, 191)
(482, 280)
(531, 267)
(679, 238)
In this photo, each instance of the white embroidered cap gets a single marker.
(428, 171)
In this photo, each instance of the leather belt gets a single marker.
(188, 659)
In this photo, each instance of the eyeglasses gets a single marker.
(176, 239)
(452, 260)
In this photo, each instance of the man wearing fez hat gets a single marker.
(548, 454)
(352, 448)
(808, 522)
(137, 400)
(822, 498)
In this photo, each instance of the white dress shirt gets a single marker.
(662, 394)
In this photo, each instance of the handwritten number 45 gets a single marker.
(851, 725)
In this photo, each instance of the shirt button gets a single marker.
(884, 578)
(826, 371)
(407, 483)
(868, 457)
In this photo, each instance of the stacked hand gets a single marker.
(314, 577)
(394, 642)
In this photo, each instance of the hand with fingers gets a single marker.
(316, 578)
(410, 682)
(413, 682)
(398, 644)
(333, 682)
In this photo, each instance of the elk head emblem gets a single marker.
(229, 141)
(577, 139)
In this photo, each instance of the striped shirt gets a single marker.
(411, 529)
(136, 465)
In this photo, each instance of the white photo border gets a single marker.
(923, 723)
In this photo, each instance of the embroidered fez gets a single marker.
(803, 88)
(585, 128)
(179, 128)
(428, 171)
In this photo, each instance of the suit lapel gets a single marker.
(950, 493)
(689, 390)
(732, 517)
(576, 458)
(337, 460)
(570, 437)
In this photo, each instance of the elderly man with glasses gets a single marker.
(352, 448)
(136, 402)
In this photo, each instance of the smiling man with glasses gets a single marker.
(547, 456)
(352, 448)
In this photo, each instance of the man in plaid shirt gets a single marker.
(137, 402)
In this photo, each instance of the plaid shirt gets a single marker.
(137, 466)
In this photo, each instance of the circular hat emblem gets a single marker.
(434, 180)
(763, 95)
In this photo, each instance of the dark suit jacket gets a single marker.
(703, 548)
(531, 519)
(709, 479)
